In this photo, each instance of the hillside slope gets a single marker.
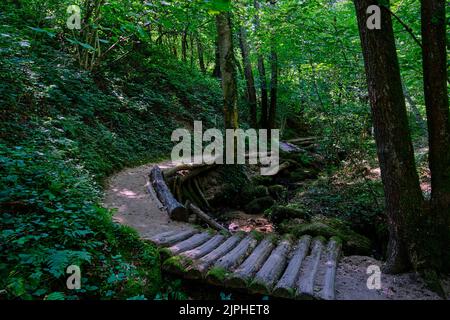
(62, 132)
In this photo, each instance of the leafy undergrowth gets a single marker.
(62, 132)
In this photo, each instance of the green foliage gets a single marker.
(63, 132)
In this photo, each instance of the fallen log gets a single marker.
(285, 285)
(306, 283)
(152, 193)
(175, 210)
(205, 248)
(190, 243)
(272, 269)
(232, 259)
(241, 276)
(333, 251)
(303, 141)
(172, 237)
(202, 265)
(204, 217)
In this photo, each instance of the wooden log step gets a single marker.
(230, 260)
(307, 277)
(190, 243)
(201, 266)
(333, 252)
(272, 269)
(175, 209)
(169, 239)
(241, 276)
(285, 287)
(205, 248)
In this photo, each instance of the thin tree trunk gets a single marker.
(404, 200)
(216, 71)
(227, 69)
(273, 89)
(191, 40)
(248, 72)
(434, 56)
(413, 106)
(184, 45)
(262, 75)
(201, 61)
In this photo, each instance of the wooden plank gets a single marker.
(240, 277)
(286, 285)
(333, 252)
(306, 280)
(272, 269)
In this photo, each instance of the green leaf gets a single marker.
(55, 296)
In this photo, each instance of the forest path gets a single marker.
(127, 192)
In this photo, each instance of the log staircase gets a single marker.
(290, 268)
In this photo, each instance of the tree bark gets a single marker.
(184, 45)
(248, 72)
(262, 75)
(434, 55)
(273, 89)
(216, 72)
(227, 69)
(413, 106)
(201, 60)
(404, 200)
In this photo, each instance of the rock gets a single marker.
(353, 242)
(280, 213)
(276, 191)
(259, 205)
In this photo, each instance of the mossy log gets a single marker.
(170, 238)
(233, 258)
(202, 265)
(241, 276)
(306, 283)
(333, 252)
(272, 269)
(175, 209)
(205, 248)
(190, 243)
(285, 285)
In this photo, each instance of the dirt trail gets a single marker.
(136, 207)
(127, 192)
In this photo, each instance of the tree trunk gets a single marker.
(434, 56)
(227, 69)
(262, 75)
(404, 200)
(273, 89)
(201, 61)
(248, 72)
(413, 106)
(216, 71)
(184, 45)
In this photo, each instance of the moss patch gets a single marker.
(217, 275)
